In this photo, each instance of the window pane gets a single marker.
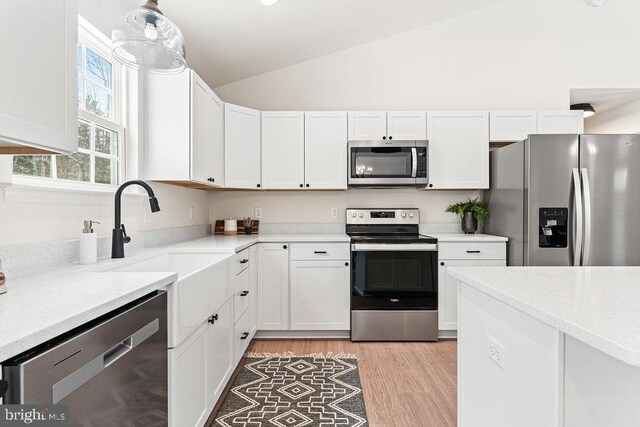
(80, 96)
(98, 101)
(106, 171)
(76, 167)
(98, 69)
(32, 166)
(84, 135)
(79, 58)
(106, 141)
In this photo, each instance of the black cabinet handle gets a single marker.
(244, 261)
(319, 252)
(346, 264)
(213, 319)
(244, 336)
(384, 137)
(214, 180)
(244, 293)
(301, 186)
(430, 185)
(258, 185)
(473, 252)
(284, 247)
(442, 263)
(390, 138)
(307, 185)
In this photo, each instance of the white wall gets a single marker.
(623, 119)
(294, 207)
(519, 54)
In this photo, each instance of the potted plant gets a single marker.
(471, 212)
(248, 224)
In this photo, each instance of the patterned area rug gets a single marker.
(295, 391)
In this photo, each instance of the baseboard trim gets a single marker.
(448, 335)
(300, 335)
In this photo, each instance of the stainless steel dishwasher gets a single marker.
(111, 371)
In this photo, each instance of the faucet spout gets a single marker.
(119, 235)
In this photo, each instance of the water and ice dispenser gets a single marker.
(553, 226)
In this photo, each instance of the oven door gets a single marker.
(386, 163)
(394, 276)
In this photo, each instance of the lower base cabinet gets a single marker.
(241, 337)
(220, 355)
(320, 295)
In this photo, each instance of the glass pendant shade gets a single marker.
(145, 39)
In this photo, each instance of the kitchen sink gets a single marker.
(203, 285)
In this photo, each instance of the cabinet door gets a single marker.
(448, 289)
(188, 380)
(367, 125)
(242, 294)
(407, 125)
(283, 150)
(560, 121)
(515, 125)
(206, 133)
(458, 149)
(273, 286)
(325, 150)
(242, 151)
(320, 295)
(219, 352)
(38, 79)
(253, 300)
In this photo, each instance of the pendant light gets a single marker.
(145, 39)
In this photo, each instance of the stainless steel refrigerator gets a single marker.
(567, 200)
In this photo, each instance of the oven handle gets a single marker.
(414, 162)
(408, 247)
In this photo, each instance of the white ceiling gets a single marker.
(604, 99)
(229, 40)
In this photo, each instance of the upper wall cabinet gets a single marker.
(38, 78)
(184, 131)
(242, 152)
(513, 125)
(325, 151)
(458, 149)
(560, 121)
(377, 125)
(282, 150)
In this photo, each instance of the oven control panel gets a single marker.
(383, 216)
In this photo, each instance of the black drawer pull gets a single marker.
(319, 252)
(244, 336)
(244, 261)
(244, 293)
(473, 252)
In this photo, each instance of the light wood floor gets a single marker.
(404, 384)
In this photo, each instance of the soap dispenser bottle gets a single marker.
(88, 244)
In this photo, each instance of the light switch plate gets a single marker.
(258, 213)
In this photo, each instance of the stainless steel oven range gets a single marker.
(394, 276)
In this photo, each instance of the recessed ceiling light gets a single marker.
(586, 108)
(269, 2)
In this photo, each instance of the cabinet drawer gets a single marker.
(240, 262)
(319, 251)
(241, 336)
(241, 297)
(472, 250)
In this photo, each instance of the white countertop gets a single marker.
(461, 237)
(599, 306)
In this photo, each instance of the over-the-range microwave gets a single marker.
(387, 163)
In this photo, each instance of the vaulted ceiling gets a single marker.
(229, 40)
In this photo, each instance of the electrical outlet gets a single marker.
(258, 213)
(191, 213)
(334, 212)
(496, 352)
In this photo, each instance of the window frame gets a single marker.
(90, 37)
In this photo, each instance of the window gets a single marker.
(98, 160)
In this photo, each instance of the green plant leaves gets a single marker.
(476, 206)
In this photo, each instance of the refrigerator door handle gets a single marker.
(578, 230)
(586, 252)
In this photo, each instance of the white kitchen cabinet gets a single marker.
(273, 286)
(219, 352)
(253, 296)
(242, 293)
(241, 337)
(242, 151)
(38, 79)
(462, 254)
(407, 125)
(367, 125)
(320, 295)
(325, 150)
(188, 400)
(458, 149)
(512, 125)
(185, 139)
(282, 150)
(560, 121)
(379, 125)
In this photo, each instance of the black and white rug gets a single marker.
(295, 391)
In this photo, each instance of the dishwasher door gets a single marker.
(112, 371)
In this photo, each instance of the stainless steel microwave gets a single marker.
(388, 163)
